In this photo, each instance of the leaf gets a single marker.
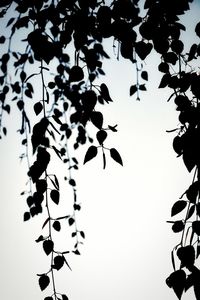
(48, 298)
(105, 93)
(41, 186)
(142, 87)
(97, 119)
(38, 107)
(72, 182)
(189, 161)
(44, 282)
(76, 74)
(48, 246)
(196, 227)
(40, 239)
(82, 234)
(192, 192)
(116, 156)
(90, 154)
(71, 221)
(64, 297)
(101, 136)
(144, 75)
(11, 20)
(26, 216)
(56, 225)
(133, 89)
(55, 196)
(178, 207)
(164, 81)
(143, 49)
(178, 226)
(197, 29)
(58, 262)
(76, 252)
(186, 255)
(177, 280)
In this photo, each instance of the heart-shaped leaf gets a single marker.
(44, 282)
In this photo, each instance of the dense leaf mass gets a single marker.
(58, 90)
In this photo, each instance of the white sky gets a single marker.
(126, 254)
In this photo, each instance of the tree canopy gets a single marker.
(61, 44)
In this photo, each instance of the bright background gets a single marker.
(126, 254)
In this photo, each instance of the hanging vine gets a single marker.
(51, 71)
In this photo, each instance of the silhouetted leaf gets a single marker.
(71, 221)
(58, 262)
(56, 225)
(97, 119)
(142, 87)
(143, 49)
(76, 252)
(178, 145)
(144, 75)
(44, 282)
(116, 156)
(82, 234)
(177, 280)
(192, 52)
(178, 207)
(178, 226)
(72, 182)
(188, 160)
(20, 104)
(126, 49)
(133, 89)
(186, 255)
(48, 298)
(101, 136)
(90, 154)
(105, 93)
(197, 29)
(48, 246)
(76, 74)
(38, 107)
(26, 216)
(165, 81)
(39, 131)
(40, 239)
(41, 186)
(55, 196)
(196, 227)
(192, 192)
(64, 297)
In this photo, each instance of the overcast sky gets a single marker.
(126, 254)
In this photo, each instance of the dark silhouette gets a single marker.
(69, 99)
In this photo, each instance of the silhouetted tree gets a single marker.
(62, 46)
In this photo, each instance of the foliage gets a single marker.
(63, 50)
